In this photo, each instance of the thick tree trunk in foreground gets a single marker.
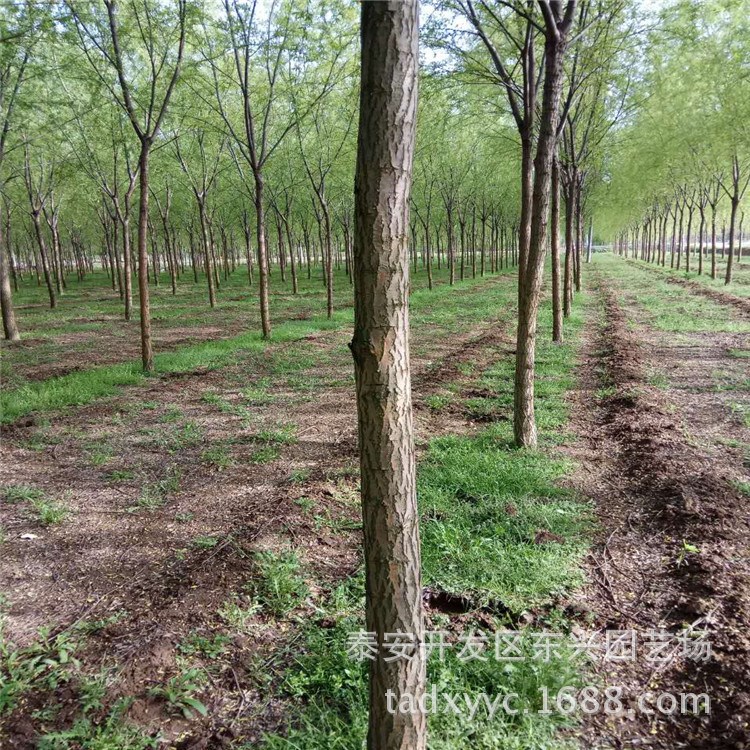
(381, 355)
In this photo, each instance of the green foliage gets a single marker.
(278, 586)
(179, 692)
(114, 733)
(17, 493)
(45, 664)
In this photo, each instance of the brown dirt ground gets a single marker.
(659, 481)
(142, 569)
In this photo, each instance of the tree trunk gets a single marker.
(530, 277)
(10, 327)
(732, 226)
(557, 313)
(265, 314)
(380, 347)
(43, 255)
(147, 354)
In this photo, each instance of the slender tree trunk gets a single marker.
(713, 241)
(43, 255)
(530, 276)
(557, 312)
(732, 227)
(147, 354)
(265, 314)
(381, 354)
(568, 269)
(10, 327)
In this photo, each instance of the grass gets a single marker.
(441, 309)
(18, 493)
(279, 587)
(218, 457)
(670, 307)
(45, 510)
(483, 505)
(49, 512)
(179, 692)
(154, 495)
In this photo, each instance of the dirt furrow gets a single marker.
(672, 553)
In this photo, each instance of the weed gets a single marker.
(265, 455)
(17, 493)
(49, 512)
(279, 586)
(120, 475)
(283, 435)
(218, 457)
(299, 476)
(154, 494)
(172, 414)
(437, 402)
(209, 647)
(99, 452)
(237, 616)
(179, 692)
(305, 503)
(205, 542)
(44, 664)
(114, 733)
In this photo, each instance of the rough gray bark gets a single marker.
(380, 347)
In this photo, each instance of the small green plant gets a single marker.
(284, 435)
(92, 691)
(154, 494)
(279, 587)
(218, 457)
(687, 549)
(113, 733)
(305, 503)
(17, 493)
(44, 664)
(179, 692)
(236, 615)
(205, 542)
(210, 647)
(171, 414)
(265, 455)
(298, 476)
(49, 512)
(95, 626)
(258, 395)
(437, 402)
(184, 517)
(99, 452)
(120, 475)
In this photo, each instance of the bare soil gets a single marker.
(673, 546)
(144, 568)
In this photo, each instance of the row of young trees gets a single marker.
(217, 193)
(231, 127)
(678, 183)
